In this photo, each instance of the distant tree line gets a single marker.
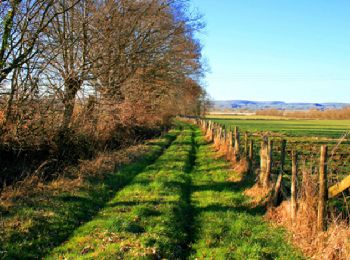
(342, 113)
(95, 66)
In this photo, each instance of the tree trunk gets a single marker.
(72, 85)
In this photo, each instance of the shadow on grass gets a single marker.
(154, 204)
(242, 202)
(46, 222)
(208, 179)
(255, 211)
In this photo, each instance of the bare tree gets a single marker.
(67, 41)
(24, 22)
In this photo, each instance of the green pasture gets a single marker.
(333, 129)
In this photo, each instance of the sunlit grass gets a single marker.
(146, 218)
(36, 224)
(177, 206)
(288, 127)
(225, 225)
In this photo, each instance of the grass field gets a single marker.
(305, 136)
(289, 127)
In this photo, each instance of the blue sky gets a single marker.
(289, 50)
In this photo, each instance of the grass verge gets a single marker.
(34, 223)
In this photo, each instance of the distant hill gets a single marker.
(280, 105)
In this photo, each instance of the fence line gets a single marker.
(229, 142)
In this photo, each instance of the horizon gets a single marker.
(273, 50)
(287, 102)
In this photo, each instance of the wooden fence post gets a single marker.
(229, 145)
(323, 191)
(212, 135)
(278, 184)
(246, 140)
(236, 147)
(250, 160)
(268, 163)
(283, 154)
(293, 189)
(263, 157)
(221, 135)
(223, 140)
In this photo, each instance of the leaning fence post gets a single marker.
(293, 189)
(323, 191)
(278, 184)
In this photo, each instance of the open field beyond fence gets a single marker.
(277, 143)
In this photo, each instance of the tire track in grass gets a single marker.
(225, 227)
(145, 219)
(188, 209)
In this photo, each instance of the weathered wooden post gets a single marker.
(293, 189)
(207, 131)
(250, 160)
(246, 140)
(283, 154)
(323, 191)
(229, 145)
(263, 157)
(220, 135)
(223, 139)
(211, 130)
(236, 146)
(268, 163)
(212, 134)
(278, 184)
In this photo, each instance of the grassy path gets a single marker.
(180, 207)
(225, 227)
(145, 219)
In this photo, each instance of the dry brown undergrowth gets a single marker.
(258, 195)
(332, 244)
(72, 179)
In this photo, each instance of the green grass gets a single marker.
(225, 225)
(146, 218)
(180, 207)
(173, 204)
(305, 136)
(287, 127)
(37, 224)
